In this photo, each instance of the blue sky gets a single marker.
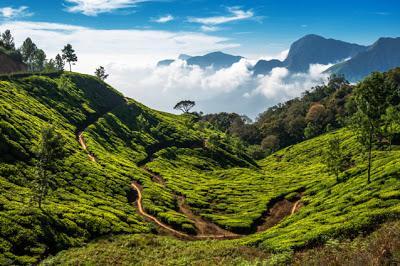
(270, 25)
(128, 37)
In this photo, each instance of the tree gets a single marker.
(101, 73)
(59, 63)
(270, 143)
(316, 113)
(49, 151)
(334, 159)
(28, 50)
(391, 120)
(372, 98)
(185, 106)
(7, 40)
(38, 60)
(50, 65)
(68, 54)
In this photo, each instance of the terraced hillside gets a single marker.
(192, 179)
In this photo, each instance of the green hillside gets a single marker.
(194, 179)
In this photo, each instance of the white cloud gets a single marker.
(10, 12)
(235, 14)
(209, 28)
(280, 56)
(164, 19)
(95, 7)
(129, 56)
(281, 85)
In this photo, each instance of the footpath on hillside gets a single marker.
(204, 228)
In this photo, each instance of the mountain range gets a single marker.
(352, 60)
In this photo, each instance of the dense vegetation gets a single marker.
(191, 159)
(322, 109)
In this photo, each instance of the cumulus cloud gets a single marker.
(281, 85)
(164, 19)
(235, 13)
(280, 56)
(130, 57)
(126, 47)
(10, 12)
(95, 7)
(233, 89)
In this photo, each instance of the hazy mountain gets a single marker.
(165, 62)
(311, 49)
(314, 49)
(264, 66)
(184, 57)
(217, 59)
(383, 55)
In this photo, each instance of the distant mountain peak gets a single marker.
(184, 57)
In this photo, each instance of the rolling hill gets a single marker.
(186, 174)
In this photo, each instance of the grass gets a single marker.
(220, 182)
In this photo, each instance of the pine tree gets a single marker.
(68, 54)
(59, 63)
(7, 40)
(28, 50)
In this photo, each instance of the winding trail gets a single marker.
(202, 225)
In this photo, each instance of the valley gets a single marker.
(146, 180)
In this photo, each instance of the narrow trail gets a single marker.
(206, 230)
(294, 209)
(82, 142)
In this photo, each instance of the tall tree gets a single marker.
(68, 54)
(185, 106)
(101, 73)
(59, 63)
(38, 60)
(28, 50)
(372, 98)
(50, 151)
(7, 40)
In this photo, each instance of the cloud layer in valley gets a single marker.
(130, 57)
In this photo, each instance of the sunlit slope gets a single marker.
(89, 199)
(175, 159)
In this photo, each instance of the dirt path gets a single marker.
(206, 230)
(150, 217)
(294, 209)
(82, 142)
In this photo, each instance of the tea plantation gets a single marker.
(171, 157)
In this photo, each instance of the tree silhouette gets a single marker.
(101, 73)
(185, 106)
(68, 54)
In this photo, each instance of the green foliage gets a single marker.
(335, 160)
(68, 54)
(7, 40)
(50, 151)
(101, 73)
(219, 181)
